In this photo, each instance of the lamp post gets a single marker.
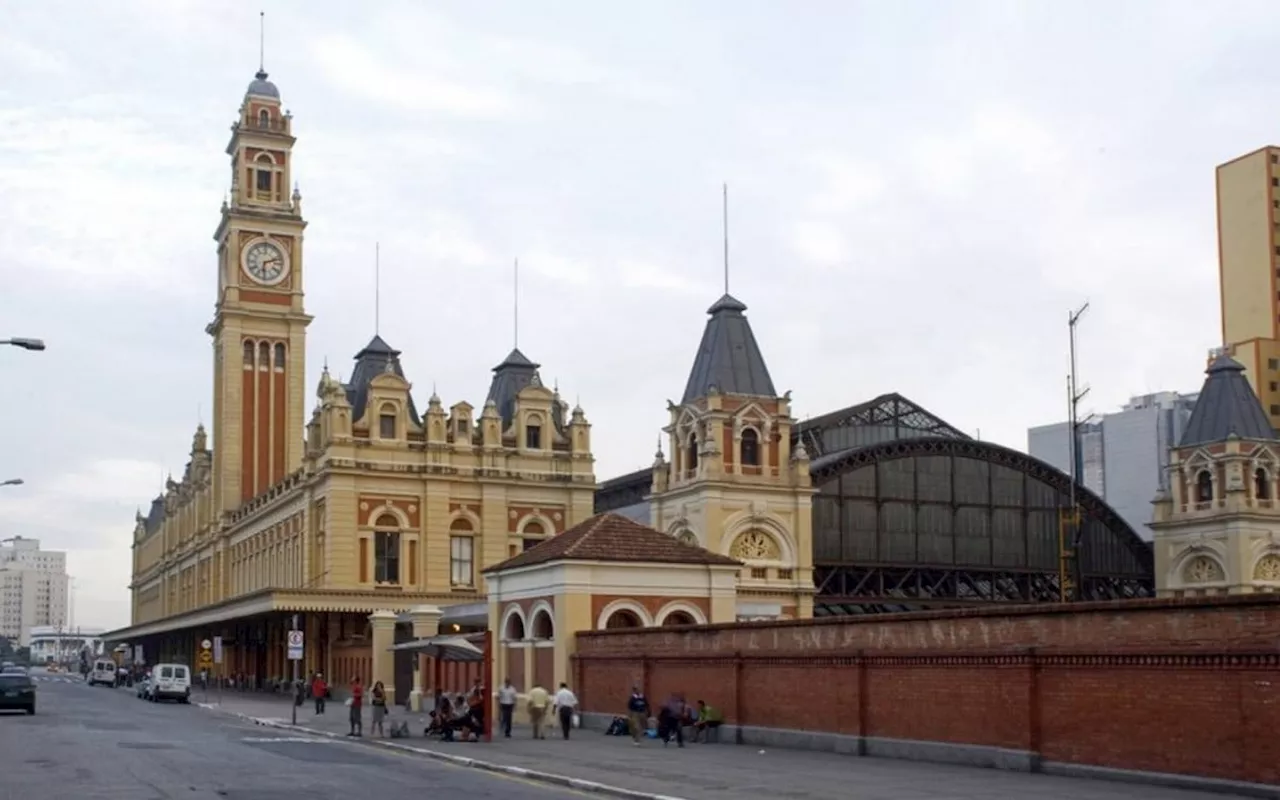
(25, 343)
(12, 482)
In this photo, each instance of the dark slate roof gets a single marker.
(263, 87)
(1226, 407)
(728, 357)
(613, 537)
(514, 373)
(370, 363)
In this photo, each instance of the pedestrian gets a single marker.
(318, 690)
(355, 702)
(379, 697)
(506, 706)
(538, 702)
(637, 714)
(671, 720)
(566, 702)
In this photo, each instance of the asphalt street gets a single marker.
(96, 743)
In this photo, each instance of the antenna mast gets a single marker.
(377, 288)
(262, 41)
(1070, 525)
(515, 305)
(725, 225)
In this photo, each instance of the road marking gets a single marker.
(274, 739)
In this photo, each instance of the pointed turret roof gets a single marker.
(514, 373)
(1226, 407)
(376, 358)
(728, 358)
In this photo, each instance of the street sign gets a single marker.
(206, 645)
(217, 649)
(205, 660)
(295, 645)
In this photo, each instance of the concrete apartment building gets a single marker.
(1123, 454)
(1248, 192)
(33, 588)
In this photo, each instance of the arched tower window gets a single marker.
(750, 448)
(1261, 484)
(1204, 487)
(264, 119)
(533, 433)
(691, 453)
(279, 362)
(248, 354)
(387, 421)
(264, 355)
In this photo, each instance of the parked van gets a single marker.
(103, 672)
(170, 682)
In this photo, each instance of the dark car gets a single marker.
(17, 692)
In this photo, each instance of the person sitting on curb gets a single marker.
(709, 719)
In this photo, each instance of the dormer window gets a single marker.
(1261, 485)
(387, 422)
(533, 436)
(1204, 487)
(750, 448)
(462, 429)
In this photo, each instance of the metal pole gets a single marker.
(294, 699)
(1074, 395)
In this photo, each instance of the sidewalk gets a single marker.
(706, 772)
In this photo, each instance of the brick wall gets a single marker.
(1173, 686)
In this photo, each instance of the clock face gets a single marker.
(264, 261)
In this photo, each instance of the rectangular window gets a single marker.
(462, 561)
(413, 561)
(386, 557)
(530, 543)
(264, 180)
(1273, 363)
(533, 437)
(1273, 385)
(1275, 411)
(759, 573)
(363, 544)
(387, 426)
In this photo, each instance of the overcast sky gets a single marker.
(919, 191)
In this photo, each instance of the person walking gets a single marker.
(379, 700)
(355, 702)
(538, 702)
(566, 701)
(506, 707)
(637, 714)
(671, 720)
(318, 690)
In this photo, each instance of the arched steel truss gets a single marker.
(1117, 562)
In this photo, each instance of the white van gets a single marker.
(170, 682)
(104, 672)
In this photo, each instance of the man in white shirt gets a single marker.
(565, 703)
(506, 706)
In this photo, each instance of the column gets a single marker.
(383, 623)
(426, 623)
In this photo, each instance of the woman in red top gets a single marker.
(356, 701)
(318, 689)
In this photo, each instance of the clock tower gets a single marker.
(259, 325)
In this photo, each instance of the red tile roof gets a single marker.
(613, 537)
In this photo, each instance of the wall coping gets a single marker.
(1140, 605)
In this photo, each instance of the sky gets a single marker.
(919, 194)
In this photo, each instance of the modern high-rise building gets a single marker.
(1123, 455)
(1248, 190)
(34, 588)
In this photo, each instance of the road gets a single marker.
(96, 743)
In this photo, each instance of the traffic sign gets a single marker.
(205, 660)
(295, 645)
(217, 649)
(206, 645)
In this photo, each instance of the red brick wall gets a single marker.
(1178, 686)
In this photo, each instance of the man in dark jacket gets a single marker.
(637, 714)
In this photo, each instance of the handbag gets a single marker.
(577, 721)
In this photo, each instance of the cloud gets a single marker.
(20, 56)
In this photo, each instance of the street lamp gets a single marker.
(12, 482)
(24, 343)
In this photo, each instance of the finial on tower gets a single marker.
(262, 46)
(377, 288)
(515, 305)
(725, 223)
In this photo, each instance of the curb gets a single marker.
(548, 778)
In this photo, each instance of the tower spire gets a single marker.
(725, 224)
(515, 305)
(262, 44)
(377, 288)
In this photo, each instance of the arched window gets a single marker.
(264, 355)
(679, 618)
(264, 118)
(1261, 485)
(386, 550)
(691, 453)
(622, 618)
(750, 448)
(387, 421)
(533, 433)
(279, 362)
(1204, 487)
(543, 628)
(532, 534)
(248, 354)
(462, 568)
(514, 630)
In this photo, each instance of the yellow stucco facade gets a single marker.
(1248, 199)
(378, 508)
